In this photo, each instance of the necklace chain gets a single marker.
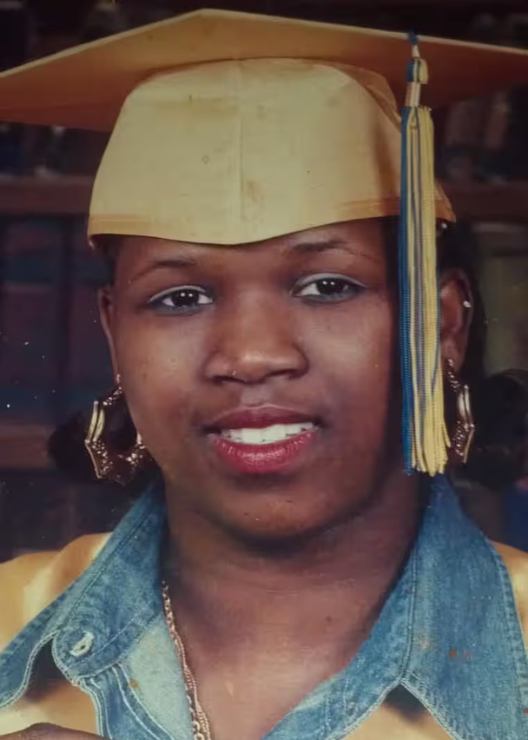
(200, 723)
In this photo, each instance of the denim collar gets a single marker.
(449, 632)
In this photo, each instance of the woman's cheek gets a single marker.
(158, 366)
(360, 339)
(364, 368)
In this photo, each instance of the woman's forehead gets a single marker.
(365, 238)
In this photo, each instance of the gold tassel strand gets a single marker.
(424, 432)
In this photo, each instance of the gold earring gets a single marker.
(465, 425)
(110, 464)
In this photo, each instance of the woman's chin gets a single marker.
(283, 525)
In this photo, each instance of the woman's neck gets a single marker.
(330, 585)
(263, 627)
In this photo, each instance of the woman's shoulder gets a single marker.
(31, 582)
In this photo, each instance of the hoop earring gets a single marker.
(109, 464)
(465, 424)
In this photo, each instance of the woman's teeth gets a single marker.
(266, 435)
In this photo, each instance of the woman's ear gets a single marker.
(105, 300)
(456, 304)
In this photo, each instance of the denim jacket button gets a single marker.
(83, 646)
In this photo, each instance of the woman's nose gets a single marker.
(255, 342)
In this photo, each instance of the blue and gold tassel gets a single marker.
(425, 439)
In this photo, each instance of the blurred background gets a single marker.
(53, 358)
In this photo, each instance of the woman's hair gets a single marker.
(499, 453)
(500, 403)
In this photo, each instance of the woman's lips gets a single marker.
(261, 459)
(263, 439)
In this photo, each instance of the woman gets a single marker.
(282, 575)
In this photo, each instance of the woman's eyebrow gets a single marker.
(170, 263)
(183, 261)
(319, 247)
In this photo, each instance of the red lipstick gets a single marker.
(264, 458)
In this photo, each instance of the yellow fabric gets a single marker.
(59, 703)
(31, 582)
(245, 151)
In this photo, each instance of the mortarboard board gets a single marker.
(85, 87)
(230, 128)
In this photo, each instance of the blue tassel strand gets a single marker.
(424, 434)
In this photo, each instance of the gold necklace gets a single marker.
(200, 723)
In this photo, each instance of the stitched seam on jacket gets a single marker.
(110, 549)
(437, 709)
(28, 672)
(343, 735)
(122, 653)
(100, 710)
(120, 674)
(411, 621)
(518, 657)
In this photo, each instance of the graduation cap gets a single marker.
(230, 128)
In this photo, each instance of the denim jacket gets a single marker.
(449, 635)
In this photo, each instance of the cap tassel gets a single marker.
(425, 439)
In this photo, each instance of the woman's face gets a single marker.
(262, 378)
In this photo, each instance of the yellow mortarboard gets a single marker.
(231, 128)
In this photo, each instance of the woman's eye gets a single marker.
(327, 288)
(181, 300)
